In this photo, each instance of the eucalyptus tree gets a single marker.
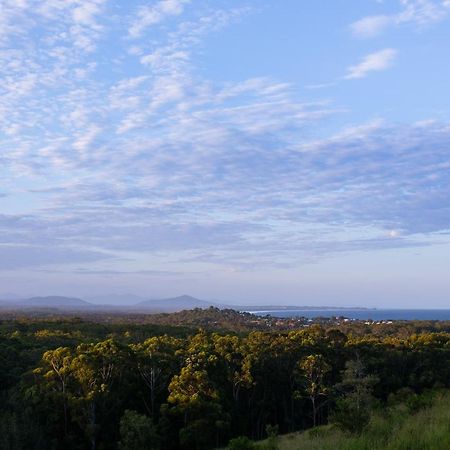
(158, 359)
(95, 368)
(314, 369)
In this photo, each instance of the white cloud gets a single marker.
(418, 12)
(158, 160)
(373, 62)
(85, 12)
(371, 25)
(153, 14)
(85, 139)
(76, 21)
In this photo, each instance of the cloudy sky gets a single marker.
(269, 152)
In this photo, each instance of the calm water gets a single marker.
(377, 314)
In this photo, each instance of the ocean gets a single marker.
(364, 314)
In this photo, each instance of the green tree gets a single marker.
(313, 369)
(95, 368)
(196, 399)
(137, 432)
(157, 361)
(241, 443)
(58, 362)
(232, 353)
(353, 408)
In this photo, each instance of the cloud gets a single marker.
(115, 273)
(149, 15)
(14, 257)
(320, 85)
(160, 166)
(371, 26)
(250, 203)
(374, 62)
(74, 21)
(417, 12)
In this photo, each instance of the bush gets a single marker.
(272, 441)
(349, 418)
(417, 402)
(241, 443)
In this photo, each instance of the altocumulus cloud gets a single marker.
(291, 203)
(167, 163)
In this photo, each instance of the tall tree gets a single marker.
(355, 401)
(157, 361)
(314, 369)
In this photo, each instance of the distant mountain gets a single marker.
(127, 303)
(70, 304)
(173, 304)
(52, 302)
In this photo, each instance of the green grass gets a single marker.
(391, 429)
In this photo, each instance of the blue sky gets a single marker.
(267, 152)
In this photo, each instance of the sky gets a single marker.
(265, 152)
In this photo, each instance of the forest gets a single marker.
(106, 382)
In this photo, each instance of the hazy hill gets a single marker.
(134, 304)
(58, 302)
(70, 303)
(173, 304)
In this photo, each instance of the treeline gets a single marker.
(64, 387)
(101, 324)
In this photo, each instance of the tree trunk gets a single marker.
(93, 440)
(313, 401)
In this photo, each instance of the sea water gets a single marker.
(364, 314)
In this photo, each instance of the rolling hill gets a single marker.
(172, 304)
(58, 302)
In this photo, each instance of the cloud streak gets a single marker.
(416, 12)
(374, 62)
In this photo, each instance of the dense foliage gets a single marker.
(109, 384)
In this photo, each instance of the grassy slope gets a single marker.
(428, 429)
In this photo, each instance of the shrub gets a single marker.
(350, 418)
(241, 443)
(272, 441)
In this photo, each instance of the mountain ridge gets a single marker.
(185, 301)
(172, 304)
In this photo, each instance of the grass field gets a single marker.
(392, 429)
